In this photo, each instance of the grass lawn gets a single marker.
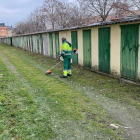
(38, 107)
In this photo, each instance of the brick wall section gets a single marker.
(3, 31)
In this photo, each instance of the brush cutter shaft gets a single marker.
(62, 61)
(55, 65)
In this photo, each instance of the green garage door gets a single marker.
(74, 42)
(11, 41)
(87, 48)
(51, 44)
(129, 51)
(38, 43)
(32, 42)
(104, 50)
(57, 45)
(41, 43)
(29, 47)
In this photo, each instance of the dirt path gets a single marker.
(127, 115)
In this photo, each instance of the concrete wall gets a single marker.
(54, 50)
(94, 48)
(115, 50)
(80, 47)
(66, 34)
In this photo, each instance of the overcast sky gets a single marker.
(12, 11)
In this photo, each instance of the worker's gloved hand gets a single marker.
(74, 50)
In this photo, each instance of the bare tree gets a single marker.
(60, 14)
(123, 8)
(63, 16)
(79, 15)
(49, 10)
(99, 7)
(34, 23)
(70, 14)
(37, 20)
(136, 3)
(20, 28)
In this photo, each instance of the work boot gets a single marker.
(68, 74)
(63, 76)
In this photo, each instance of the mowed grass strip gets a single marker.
(112, 88)
(50, 108)
(18, 111)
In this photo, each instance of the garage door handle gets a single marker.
(108, 47)
(123, 48)
(136, 48)
(130, 49)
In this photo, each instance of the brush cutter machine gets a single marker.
(75, 51)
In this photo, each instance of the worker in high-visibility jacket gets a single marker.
(66, 53)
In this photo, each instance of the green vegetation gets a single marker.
(38, 107)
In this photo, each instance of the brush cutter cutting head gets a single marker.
(48, 72)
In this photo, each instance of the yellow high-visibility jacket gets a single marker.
(66, 50)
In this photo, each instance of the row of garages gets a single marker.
(112, 48)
